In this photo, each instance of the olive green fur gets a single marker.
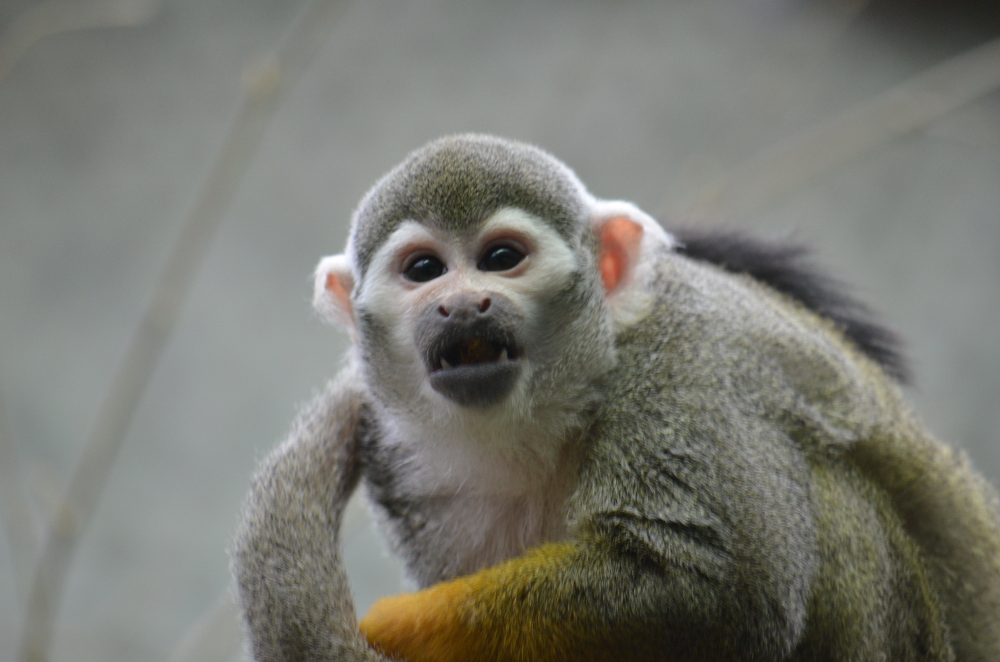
(897, 538)
(750, 485)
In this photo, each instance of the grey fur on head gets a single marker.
(445, 183)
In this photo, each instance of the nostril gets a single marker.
(484, 305)
(444, 311)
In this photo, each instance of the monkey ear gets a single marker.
(627, 241)
(332, 293)
(626, 236)
(619, 241)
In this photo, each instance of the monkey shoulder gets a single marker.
(787, 267)
(715, 338)
(721, 397)
(727, 398)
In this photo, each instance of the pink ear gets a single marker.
(332, 294)
(620, 240)
(336, 287)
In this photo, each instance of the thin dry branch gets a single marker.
(17, 515)
(914, 104)
(35, 23)
(264, 88)
(216, 637)
(769, 95)
(48, 18)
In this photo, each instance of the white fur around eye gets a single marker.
(396, 303)
(548, 264)
(381, 287)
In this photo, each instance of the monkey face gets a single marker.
(466, 313)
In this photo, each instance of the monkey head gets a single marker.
(479, 274)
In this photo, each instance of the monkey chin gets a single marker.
(478, 384)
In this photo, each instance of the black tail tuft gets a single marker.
(784, 266)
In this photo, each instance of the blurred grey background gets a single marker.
(830, 120)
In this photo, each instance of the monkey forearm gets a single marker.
(293, 591)
(558, 602)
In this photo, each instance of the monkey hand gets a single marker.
(427, 626)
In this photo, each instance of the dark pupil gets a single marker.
(425, 269)
(501, 258)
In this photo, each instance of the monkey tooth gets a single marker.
(475, 352)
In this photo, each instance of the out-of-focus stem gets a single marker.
(17, 516)
(778, 170)
(264, 88)
(55, 16)
(216, 637)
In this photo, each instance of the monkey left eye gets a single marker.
(424, 268)
(501, 258)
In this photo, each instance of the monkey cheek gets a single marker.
(480, 385)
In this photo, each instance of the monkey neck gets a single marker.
(489, 504)
(499, 451)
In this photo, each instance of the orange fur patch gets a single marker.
(471, 618)
(422, 627)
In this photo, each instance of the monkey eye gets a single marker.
(500, 258)
(424, 268)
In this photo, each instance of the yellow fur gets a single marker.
(470, 618)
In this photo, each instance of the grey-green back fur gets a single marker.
(744, 435)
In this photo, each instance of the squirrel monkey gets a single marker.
(589, 439)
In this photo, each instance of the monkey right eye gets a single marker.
(501, 258)
(424, 268)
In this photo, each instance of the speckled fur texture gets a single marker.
(740, 478)
(292, 588)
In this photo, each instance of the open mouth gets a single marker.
(474, 370)
(475, 352)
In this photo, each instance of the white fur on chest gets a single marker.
(485, 502)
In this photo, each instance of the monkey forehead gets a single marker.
(456, 183)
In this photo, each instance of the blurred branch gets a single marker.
(216, 637)
(263, 89)
(16, 513)
(55, 16)
(769, 96)
(907, 107)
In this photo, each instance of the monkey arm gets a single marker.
(292, 588)
(591, 600)
(566, 601)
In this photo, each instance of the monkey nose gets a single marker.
(466, 303)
